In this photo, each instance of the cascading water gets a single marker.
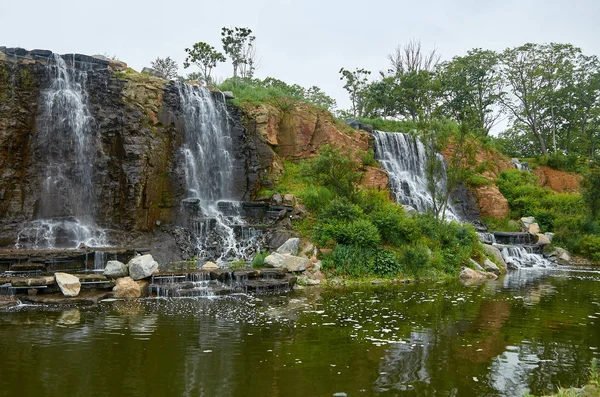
(64, 142)
(209, 167)
(404, 157)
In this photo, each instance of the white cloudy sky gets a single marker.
(304, 42)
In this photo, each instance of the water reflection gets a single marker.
(532, 330)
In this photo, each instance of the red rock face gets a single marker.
(492, 204)
(559, 181)
(376, 178)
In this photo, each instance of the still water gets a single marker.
(531, 331)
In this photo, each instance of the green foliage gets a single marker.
(166, 66)
(238, 43)
(394, 226)
(356, 83)
(415, 259)
(342, 210)
(259, 259)
(389, 125)
(334, 169)
(315, 198)
(369, 158)
(360, 261)
(559, 161)
(360, 232)
(275, 92)
(589, 246)
(501, 225)
(205, 57)
(591, 192)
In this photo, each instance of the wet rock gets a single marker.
(542, 239)
(289, 262)
(563, 257)
(290, 247)
(8, 302)
(497, 255)
(69, 285)
(307, 281)
(228, 95)
(32, 281)
(116, 269)
(549, 236)
(28, 266)
(210, 266)
(279, 237)
(126, 287)
(142, 267)
(491, 267)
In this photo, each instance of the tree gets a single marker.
(166, 66)
(238, 43)
(205, 57)
(471, 89)
(533, 74)
(317, 97)
(356, 83)
(412, 59)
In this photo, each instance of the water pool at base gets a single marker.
(533, 330)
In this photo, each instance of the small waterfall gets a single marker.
(404, 157)
(524, 256)
(64, 142)
(209, 165)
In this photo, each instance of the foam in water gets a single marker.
(523, 256)
(209, 167)
(404, 157)
(64, 141)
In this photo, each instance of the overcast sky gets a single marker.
(304, 42)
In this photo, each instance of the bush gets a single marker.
(394, 226)
(360, 233)
(559, 161)
(369, 158)
(316, 198)
(589, 245)
(360, 261)
(335, 170)
(341, 209)
(259, 259)
(415, 259)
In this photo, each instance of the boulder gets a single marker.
(497, 255)
(289, 199)
(563, 257)
(126, 287)
(69, 285)
(476, 265)
(228, 95)
(526, 221)
(277, 199)
(491, 267)
(210, 266)
(410, 211)
(142, 266)
(290, 247)
(358, 125)
(549, 236)
(116, 269)
(534, 228)
(306, 281)
(289, 262)
(491, 202)
(468, 274)
(542, 239)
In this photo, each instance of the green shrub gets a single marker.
(316, 198)
(560, 161)
(259, 259)
(415, 259)
(386, 263)
(369, 158)
(589, 245)
(394, 226)
(361, 261)
(545, 219)
(341, 209)
(335, 170)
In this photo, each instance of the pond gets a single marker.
(532, 331)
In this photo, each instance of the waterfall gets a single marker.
(404, 157)
(64, 143)
(207, 150)
(523, 256)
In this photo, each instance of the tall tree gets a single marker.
(205, 57)
(533, 74)
(471, 89)
(166, 66)
(356, 83)
(238, 43)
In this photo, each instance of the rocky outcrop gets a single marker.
(492, 203)
(495, 253)
(69, 285)
(470, 275)
(142, 267)
(375, 178)
(559, 181)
